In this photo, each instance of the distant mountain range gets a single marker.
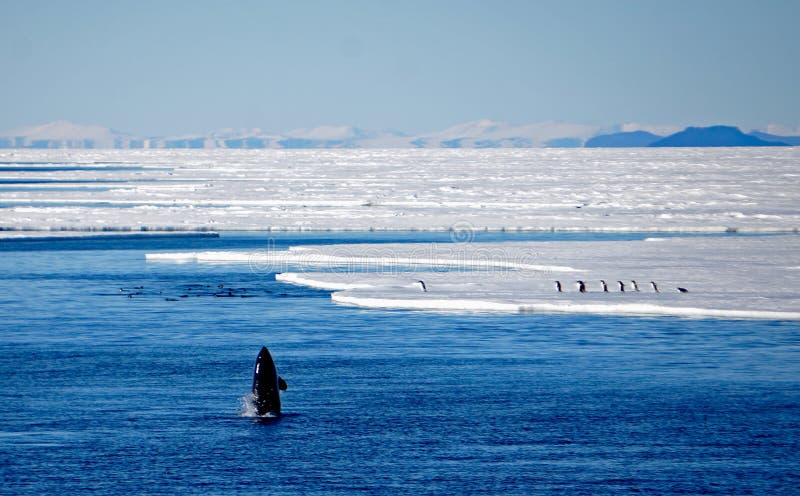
(477, 134)
(715, 136)
(693, 136)
(789, 140)
(622, 140)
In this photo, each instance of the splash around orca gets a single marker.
(267, 385)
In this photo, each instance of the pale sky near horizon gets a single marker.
(170, 67)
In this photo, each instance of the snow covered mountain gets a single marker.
(63, 134)
(493, 134)
(475, 134)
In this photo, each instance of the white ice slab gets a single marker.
(727, 277)
(685, 189)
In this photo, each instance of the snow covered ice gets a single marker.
(712, 190)
(726, 277)
(680, 189)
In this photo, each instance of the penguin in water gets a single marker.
(581, 286)
(558, 286)
(422, 286)
(605, 286)
(635, 286)
(683, 290)
(621, 286)
(655, 287)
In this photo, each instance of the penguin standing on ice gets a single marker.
(605, 286)
(422, 286)
(635, 286)
(581, 286)
(655, 287)
(558, 286)
(621, 286)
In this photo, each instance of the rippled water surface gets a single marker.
(108, 393)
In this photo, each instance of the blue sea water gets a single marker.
(105, 393)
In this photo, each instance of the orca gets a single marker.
(266, 385)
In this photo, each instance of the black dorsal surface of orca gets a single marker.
(267, 385)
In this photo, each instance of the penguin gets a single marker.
(605, 286)
(621, 286)
(558, 286)
(683, 290)
(655, 288)
(581, 286)
(635, 286)
(422, 286)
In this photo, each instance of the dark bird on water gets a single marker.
(655, 288)
(605, 286)
(635, 286)
(581, 286)
(558, 286)
(621, 286)
(683, 290)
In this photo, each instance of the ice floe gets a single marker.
(613, 190)
(726, 276)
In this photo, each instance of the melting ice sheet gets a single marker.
(726, 277)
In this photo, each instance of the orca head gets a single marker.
(267, 384)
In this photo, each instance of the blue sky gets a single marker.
(168, 67)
